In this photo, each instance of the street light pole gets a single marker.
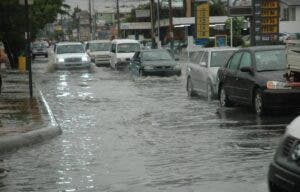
(90, 20)
(28, 42)
(152, 23)
(171, 25)
(118, 18)
(158, 21)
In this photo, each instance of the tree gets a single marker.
(12, 25)
(217, 8)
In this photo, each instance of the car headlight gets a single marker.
(148, 67)
(177, 66)
(277, 85)
(85, 59)
(60, 60)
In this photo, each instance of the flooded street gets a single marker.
(142, 134)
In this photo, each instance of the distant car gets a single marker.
(99, 51)
(202, 69)
(39, 49)
(122, 51)
(284, 171)
(254, 76)
(283, 37)
(68, 55)
(154, 62)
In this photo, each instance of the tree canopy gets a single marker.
(12, 19)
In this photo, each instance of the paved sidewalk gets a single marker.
(23, 121)
(18, 113)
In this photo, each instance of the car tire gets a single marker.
(258, 105)
(209, 92)
(189, 88)
(273, 188)
(46, 55)
(224, 100)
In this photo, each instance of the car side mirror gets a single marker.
(247, 70)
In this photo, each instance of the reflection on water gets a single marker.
(124, 134)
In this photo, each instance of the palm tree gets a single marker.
(218, 8)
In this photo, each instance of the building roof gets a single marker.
(291, 2)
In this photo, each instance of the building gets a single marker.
(289, 16)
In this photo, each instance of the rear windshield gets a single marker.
(128, 47)
(156, 55)
(219, 58)
(99, 46)
(63, 49)
(272, 60)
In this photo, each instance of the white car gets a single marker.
(122, 51)
(202, 69)
(70, 55)
(99, 51)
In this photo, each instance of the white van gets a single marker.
(122, 50)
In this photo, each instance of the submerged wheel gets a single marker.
(224, 101)
(258, 103)
(209, 92)
(189, 88)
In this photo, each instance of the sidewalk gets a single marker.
(23, 121)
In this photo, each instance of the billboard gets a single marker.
(239, 7)
(175, 4)
(202, 23)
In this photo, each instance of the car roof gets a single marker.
(212, 49)
(124, 41)
(264, 48)
(99, 41)
(68, 43)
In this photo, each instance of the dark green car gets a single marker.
(154, 62)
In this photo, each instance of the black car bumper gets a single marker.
(282, 98)
(281, 179)
(162, 72)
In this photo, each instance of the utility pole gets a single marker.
(118, 18)
(158, 20)
(171, 31)
(152, 23)
(90, 19)
(28, 40)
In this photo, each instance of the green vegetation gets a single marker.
(13, 25)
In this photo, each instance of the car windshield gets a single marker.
(219, 58)
(99, 46)
(128, 47)
(156, 55)
(39, 46)
(63, 49)
(272, 60)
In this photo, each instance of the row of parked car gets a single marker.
(253, 76)
(117, 54)
(259, 77)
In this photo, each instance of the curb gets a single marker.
(51, 130)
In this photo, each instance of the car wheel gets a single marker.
(209, 92)
(189, 88)
(258, 103)
(273, 188)
(46, 55)
(224, 101)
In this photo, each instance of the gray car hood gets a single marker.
(159, 63)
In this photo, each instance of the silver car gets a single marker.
(70, 55)
(202, 68)
(99, 51)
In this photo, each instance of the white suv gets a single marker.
(122, 51)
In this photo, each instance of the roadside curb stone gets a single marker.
(48, 131)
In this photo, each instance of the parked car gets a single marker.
(283, 37)
(284, 171)
(70, 55)
(154, 62)
(122, 51)
(39, 49)
(254, 76)
(99, 51)
(202, 70)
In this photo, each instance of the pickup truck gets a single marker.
(293, 60)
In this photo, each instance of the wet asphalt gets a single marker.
(122, 133)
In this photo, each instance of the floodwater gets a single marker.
(142, 134)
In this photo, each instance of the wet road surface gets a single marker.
(142, 134)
